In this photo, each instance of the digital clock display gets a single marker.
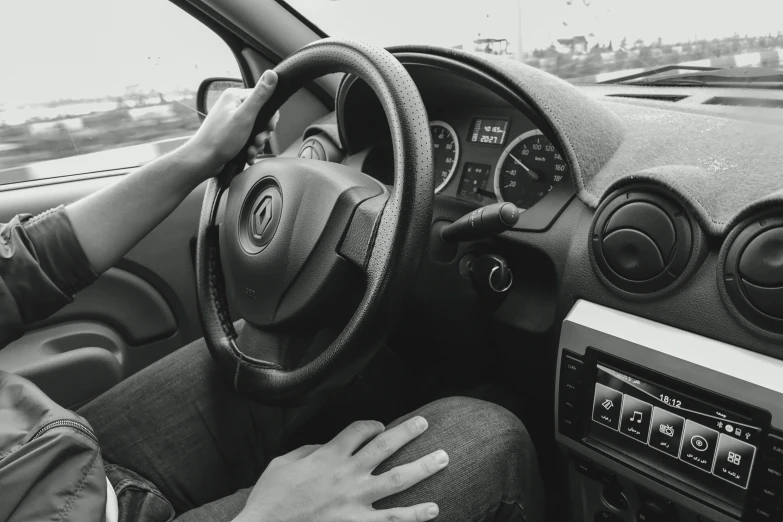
(671, 401)
(486, 131)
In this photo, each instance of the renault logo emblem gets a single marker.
(260, 219)
(262, 215)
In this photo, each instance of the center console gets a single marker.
(660, 424)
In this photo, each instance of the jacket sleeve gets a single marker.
(42, 266)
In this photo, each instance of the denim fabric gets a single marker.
(181, 427)
(138, 499)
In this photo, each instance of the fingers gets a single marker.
(261, 139)
(351, 438)
(383, 446)
(258, 146)
(419, 513)
(407, 475)
(261, 92)
(299, 453)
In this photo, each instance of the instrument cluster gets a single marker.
(494, 157)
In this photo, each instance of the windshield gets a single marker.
(584, 41)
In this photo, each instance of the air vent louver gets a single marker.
(753, 271)
(641, 240)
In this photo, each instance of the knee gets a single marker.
(492, 461)
(490, 437)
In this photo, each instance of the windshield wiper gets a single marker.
(658, 70)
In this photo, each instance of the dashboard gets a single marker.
(484, 149)
(648, 246)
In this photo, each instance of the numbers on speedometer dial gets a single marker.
(445, 152)
(528, 170)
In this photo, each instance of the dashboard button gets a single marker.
(571, 426)
(771, 471)
(774, 447)
(605, 516)
(572, 368)
(569, 406)
(606, 406)
(769, 494)
(759, 512)
(666, 431)
(635, 418)
(698, 445)
(571, 387)
(734, 460)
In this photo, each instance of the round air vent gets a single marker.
(642, 240)
(753, 271)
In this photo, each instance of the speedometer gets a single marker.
(445, 152)
(528, 169)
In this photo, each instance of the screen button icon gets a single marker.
(734, 460)
(666, 431)
(606, 406)
(635, 418)
(698, 445)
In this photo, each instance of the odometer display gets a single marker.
(445, 152)
(528, 170)
(488, 131)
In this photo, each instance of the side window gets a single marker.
(95, 85)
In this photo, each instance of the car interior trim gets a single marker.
(747, 376)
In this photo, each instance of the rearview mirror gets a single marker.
(210, 90)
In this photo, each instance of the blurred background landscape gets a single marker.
(107, 87)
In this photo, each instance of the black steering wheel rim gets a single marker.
(396, 247)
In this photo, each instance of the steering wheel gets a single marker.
(316, 257)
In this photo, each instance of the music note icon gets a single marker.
(633, 417)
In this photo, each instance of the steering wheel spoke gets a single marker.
(359, 240)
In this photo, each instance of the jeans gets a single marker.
(180, 444)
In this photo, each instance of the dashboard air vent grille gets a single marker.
(753, 271)
(745, 102)
(641, 240)
(657, 97)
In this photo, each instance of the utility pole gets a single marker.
(519, 30)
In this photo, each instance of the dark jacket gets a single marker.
(50, 462)
(42, 266)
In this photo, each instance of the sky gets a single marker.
(52, 49)
(92, 48)
(454, 22)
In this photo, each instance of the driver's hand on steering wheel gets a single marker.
(334, 482)
(229, 123)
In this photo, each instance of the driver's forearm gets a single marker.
(111, 221)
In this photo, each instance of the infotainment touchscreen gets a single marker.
(699, 443)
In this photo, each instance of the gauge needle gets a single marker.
(530, 173)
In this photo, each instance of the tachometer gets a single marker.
(528, 169)
(445, 152)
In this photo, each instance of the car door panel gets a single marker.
(134, 314)
(123, 301)
(71, 362)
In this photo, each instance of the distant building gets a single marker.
(575, 45)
